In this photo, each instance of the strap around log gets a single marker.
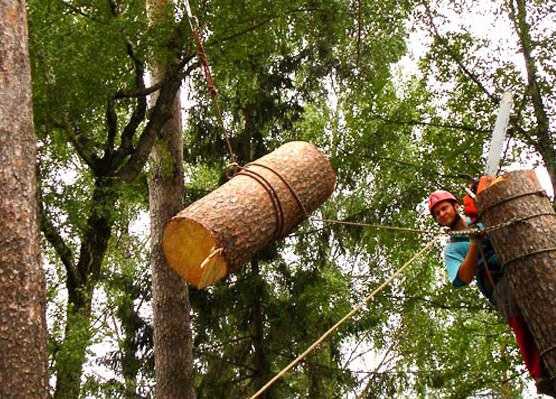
(547, 350)
(507, 199)
(538, 251)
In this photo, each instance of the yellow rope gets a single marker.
(344, 319)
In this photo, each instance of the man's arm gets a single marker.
(468, 267)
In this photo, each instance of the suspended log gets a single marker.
(525, 244)
(265, 201)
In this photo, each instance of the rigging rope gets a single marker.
(213, 91)
(354, 310)
(377, 226)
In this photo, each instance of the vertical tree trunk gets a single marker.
(172, 329)
(23, 357)
(171, 307)
(80, 282)
(545, 141)
(262, 363)
(72, 355)
(527, 249)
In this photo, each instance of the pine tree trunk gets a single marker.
(527, 249)
(23, 356)
(171, 307)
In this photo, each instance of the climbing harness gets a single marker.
(354, 310)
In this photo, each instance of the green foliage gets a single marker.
(320, 71)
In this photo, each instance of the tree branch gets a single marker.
(141, 108)
(57, 242)
(544, 143)
(78, 11)
(111, 127)
(160, 114)
(455, 57)
(141, 92)
(84, 147)
(262, 22)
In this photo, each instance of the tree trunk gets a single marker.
(527, 249)
(172, 328)
(80, 282)
(23, 355)
(77, 335)
(171, 307)
(262, 363)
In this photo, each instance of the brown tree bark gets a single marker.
(527, 249)
(544, 142)
(171, 307)
(23, 355)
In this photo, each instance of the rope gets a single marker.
(536, 252)
(486, 230)
(290, 188)
(507, 199)
(550, 349)
(236, 170)
(276, 204)
(213, 91)
(343, 320)
(378, 226)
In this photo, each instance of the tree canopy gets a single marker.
(334, 73)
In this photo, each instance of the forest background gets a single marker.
(343, 75)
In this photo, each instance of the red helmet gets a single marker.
(439, 196)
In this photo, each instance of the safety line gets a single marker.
(344, 319)
(377, 226)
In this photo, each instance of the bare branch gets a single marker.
(455, 57)
(141, 108)
(261, 23)
(78, 11)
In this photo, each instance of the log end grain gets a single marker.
(192, 252)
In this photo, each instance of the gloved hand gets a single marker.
(469, 205)
(477, 235)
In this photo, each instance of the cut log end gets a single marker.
(192, 252)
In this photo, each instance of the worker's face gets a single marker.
(445, 213)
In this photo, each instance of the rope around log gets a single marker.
(356, 309)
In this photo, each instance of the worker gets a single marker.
(467, 258)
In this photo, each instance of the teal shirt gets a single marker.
(455, 253)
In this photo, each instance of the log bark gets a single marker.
(23, 355)
(527, 249)
(220, 232)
